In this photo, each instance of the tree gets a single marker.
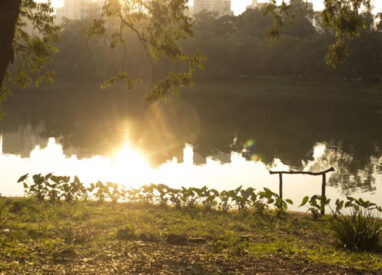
(342, 17)
(30, 52)
(379, 25)
(159, 24)
(9, 13)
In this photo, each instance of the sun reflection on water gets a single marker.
(129, 165)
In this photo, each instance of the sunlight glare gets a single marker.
(129, 164)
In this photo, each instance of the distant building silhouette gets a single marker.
(256, 5)
(222, 157)
(220, 7)
(78, 9)
(22, 141)
(198, 159)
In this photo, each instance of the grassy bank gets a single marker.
(92, 237)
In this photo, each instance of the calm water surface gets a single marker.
(219, 137)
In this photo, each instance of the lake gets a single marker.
(221, 135)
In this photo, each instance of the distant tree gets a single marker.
(365, 58)
(342, 17)
(379, 23)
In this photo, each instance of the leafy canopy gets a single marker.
(32, 50)
(343, 18)
(160, 26)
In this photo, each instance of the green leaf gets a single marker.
(351, 198)
(348, 204)
(289, 201)
(267, 190)
(22, 178)
(304, 201)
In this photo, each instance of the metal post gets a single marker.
(281, 185)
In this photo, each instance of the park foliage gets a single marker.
(359, 231)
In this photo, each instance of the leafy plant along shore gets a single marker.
(65, 226)
(359, 232)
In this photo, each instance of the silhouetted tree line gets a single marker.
(240, 47)
(235, 46)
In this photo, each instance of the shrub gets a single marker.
(38, 189)
(359, 231)
(240, 197)
(147, 194)
(280, 204)
(67, 189)
(53, 193)
(189, 197)
(236, 245)
(209, 196)
(74, 235)
(102, 191)
(175, 197)
(126, 233)
(163, 193)
(113, 191)
(225, 199)
(316, 205)
(339, 206)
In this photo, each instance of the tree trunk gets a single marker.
(9, 12)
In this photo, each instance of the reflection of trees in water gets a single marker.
(85, 121)
(166, 128)
(352, 174)
(23, 140)
(284, 128)
(268, 125)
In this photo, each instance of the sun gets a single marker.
(129, 156)
(129, 164)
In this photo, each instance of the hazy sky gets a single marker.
(238, 6)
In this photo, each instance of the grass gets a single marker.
(41, 237)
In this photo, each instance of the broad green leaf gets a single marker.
(304, 201)
(22, 178)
